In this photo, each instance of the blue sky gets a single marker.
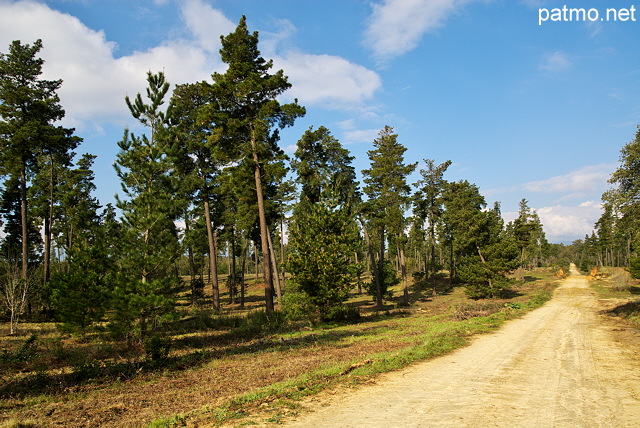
(522, 110)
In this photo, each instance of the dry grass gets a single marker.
(217, 371)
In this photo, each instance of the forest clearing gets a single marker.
(231, 281)
(248, 375)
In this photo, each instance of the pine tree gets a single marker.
(81, 295)
(528, 234)
(78, 207)
(323, 234)
(622, 206)
(199, 157)
(323, 165)
(484, 253)
(29, 109)
(388, 197)
(322, 240)
(428, 207)
(145, 288)
(248, 100)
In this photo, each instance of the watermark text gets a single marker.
(573, 14)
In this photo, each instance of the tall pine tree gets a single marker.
(29, 110)
(145, 290)
(388, 198)
(251, 117)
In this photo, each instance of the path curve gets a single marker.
(558, 366)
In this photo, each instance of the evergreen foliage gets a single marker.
(251, 115)
(388, 197)
(144, 289)
(29, 109)
(617, 236)
(428, 207)
(323, 235)
(323, 238)
(484, 254)
(210, 159)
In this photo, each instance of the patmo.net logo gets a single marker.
(574, 14)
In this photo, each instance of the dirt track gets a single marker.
(559, 366)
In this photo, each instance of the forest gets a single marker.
(209, 201)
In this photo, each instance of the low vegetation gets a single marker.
(220, 368)
(617, 285)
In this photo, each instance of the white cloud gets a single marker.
(95, 80)
(318, 79)
(396, 26)
(352, 134)
(207, 24)
(556, 62)
(567, 223)
(327, 80)
(575, 184)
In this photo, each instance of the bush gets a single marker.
(634, 267)
(24, 354)
(197, 290)
(342, 314)
(388, 278)
(157, 348)
(297, 306)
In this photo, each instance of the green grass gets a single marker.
(383, 341)
(425, 338)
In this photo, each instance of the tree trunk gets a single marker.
(46, 257)
(244, 265)
(264, 229)
(426, 261)
(282, 259)
(372, 257)
(359, 281)
(232, 270)
(275, 272)
(213, 262)
(403, 269)
(255, 264)
(379, 303)
(451, 266)
(192, 262)
(432, 244)
(48, 224)
(23, 217)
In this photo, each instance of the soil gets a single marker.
(563, 365)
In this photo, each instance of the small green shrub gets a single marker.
(342, 314)
(27, 352)
(197, 290)
(297, 306)
(157, 348)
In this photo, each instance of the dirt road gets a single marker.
(559, 366)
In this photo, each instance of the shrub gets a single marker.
(342, 314)
(197, 290)
(388, 278)
(634, 267)
(27, 351)
(157, 348)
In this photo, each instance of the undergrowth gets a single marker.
(429, 337)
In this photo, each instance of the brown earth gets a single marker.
(563, 365)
